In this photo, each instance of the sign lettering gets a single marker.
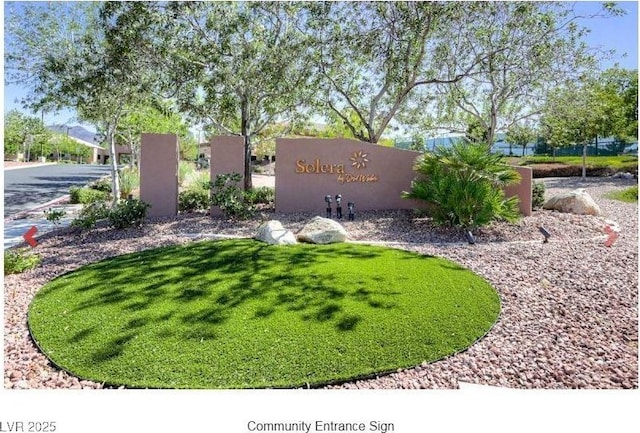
(358, 161)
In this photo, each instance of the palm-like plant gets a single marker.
(463, 185)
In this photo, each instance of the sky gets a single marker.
(619, 33)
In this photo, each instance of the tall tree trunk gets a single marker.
(248, 184)
(491, 132)
(115, 177)
(244, 131)
(584, 161)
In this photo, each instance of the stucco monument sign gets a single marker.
(371, 176)
(308, 171)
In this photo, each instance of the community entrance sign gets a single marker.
(368, 175)
(308, 170)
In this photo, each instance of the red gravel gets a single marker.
(569, 307)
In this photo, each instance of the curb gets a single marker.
(24, 213)
(18, 167)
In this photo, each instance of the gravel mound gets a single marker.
(569, 307)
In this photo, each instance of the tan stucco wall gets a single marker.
(227, 156)
(159, 173)
(309, 169)
(523, 190)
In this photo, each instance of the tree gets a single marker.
(150, 119)
(476, 132)
(372, 56)
(62, 145)
(26, 134)
(236, 67)
(619, 90)
(599, 105)
(576, 115)
(75, 56)
(528, 49)
(521, 135)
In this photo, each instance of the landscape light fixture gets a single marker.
(339, 206)
(545, 233)
(350, 207)
(613, 231)
(327, 198)
(470, 238)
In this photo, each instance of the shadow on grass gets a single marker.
(202, 285)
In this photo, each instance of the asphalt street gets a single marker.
(26, 188)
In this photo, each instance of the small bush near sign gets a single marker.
(193, 200)
(19, 260)
(86, 195)
(537, 198)
(463, 184)
(230, 198)
(128, 213)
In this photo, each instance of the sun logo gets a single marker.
(359, 160)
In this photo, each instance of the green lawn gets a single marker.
(242, 314)
(629, 195)
(626, 162)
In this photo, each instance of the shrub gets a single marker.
(129, 180)
(128, 213)
(196, 196)
(103, 185)
(90, 215)
(86, 195)
(184, 171)
(462, 185)
(629, 195)
(193, 200)
(19, 260)
(537, 195)
(54, 215)
(199, 180)
(231, 200)
(261, 195)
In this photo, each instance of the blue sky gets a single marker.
(619, 33)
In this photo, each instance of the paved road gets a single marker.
(26, 188)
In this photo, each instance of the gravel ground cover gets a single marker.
(569, 307)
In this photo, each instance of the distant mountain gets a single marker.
(77, 131)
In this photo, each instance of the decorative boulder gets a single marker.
(273, 233)
(322, 231)
(577, 201)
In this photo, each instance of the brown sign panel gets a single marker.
(371, 176)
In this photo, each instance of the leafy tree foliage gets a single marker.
(600, 105)
(150, 119)
(371, 56)
(527, 49)
(236, 66)
(619, 89)
(25, 134)
(73, 55)
(29, 136)
(521, 134)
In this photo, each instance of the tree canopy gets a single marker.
(528, 49)
(371, 56)
(366, 67)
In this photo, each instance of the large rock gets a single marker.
(273, 233)
(577, 201)
(322, 231)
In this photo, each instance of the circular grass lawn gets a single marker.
(243, 314)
